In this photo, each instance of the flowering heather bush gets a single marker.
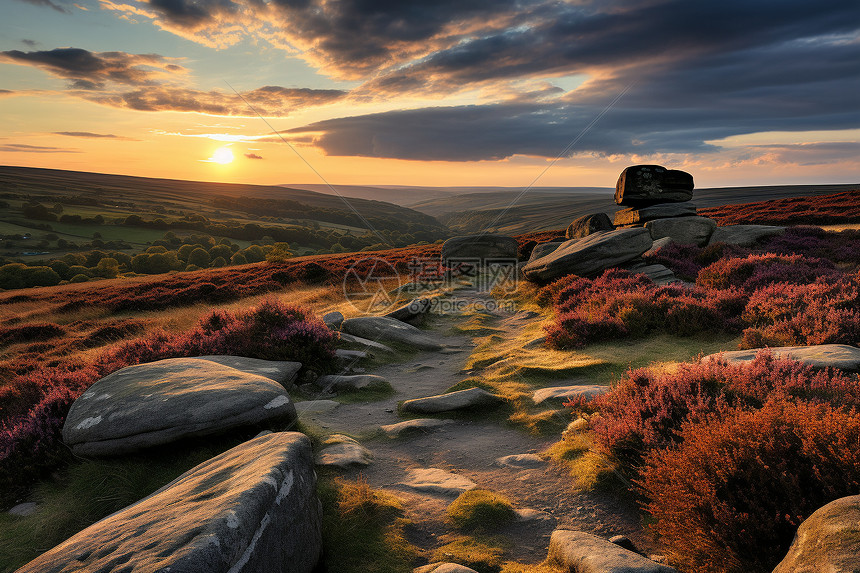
(30, 435)
(645, 411)
(823, 209)
(792, 315)
(729, 499)
(756, 271)
(840, 248)
(620, 303)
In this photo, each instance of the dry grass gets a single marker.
(481, 509)
(589, 468)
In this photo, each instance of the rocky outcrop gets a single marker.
(585, 553)
(160, 402)
(683, 230)
(252, 508)
(641, 215)
(828, 540)
(643, 185)
(840, 356)
(459, 400)
(744, 235)
(588, 225)
(389, 330)
(482, 246)
(590, 256)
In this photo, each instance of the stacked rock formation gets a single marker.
(658, 199)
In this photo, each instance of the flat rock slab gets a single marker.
(384, 329)
(683, 230)
(591, 255)
(315, 406)
(744, 235)
(521, 461)
(160, 402)
(585, 553)
(828, 540)
(439, 481)
(252, 508)
(443, 568)
(588, 391)
(459, 400)
(278, 370)
(638, 216)
(642, 185)
(839, 356)
(339, 383)
(481, 246)
(418, 425)
(369, 345)
(343, 452)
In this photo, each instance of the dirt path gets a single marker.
(469, 447)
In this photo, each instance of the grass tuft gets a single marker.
(483, 554)
(481, 509)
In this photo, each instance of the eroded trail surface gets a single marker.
(466, 450)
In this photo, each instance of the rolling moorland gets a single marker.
(639, 454)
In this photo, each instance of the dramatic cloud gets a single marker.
(106, 77)
(253, 156)
(23, 148)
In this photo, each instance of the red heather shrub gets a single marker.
(758, 271)
(839, 247)
(729, 499)
(573, 329)
(826, 209)
(795, 315)
(645, 411)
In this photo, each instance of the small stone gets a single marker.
(443, 568)
(333, 320)
(340, 383)
(424, 425)
(462, 399)
(522, 461)
(24, 509)
(439, 481)
(532, 515)
(343, 452)
(560, 393)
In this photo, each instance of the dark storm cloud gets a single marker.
(87, 70)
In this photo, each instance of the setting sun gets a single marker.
(222, 155)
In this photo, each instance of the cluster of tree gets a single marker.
(169, 254)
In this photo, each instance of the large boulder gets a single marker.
(412, 312)
(638, 216)
(543, 249)
(278, 370)
(480, 247)
(160, 402)
(589, 224)
(642, 185)
(840, 356)
(252, 508)
(591, 255)
(389, 330)
(683, 230)
(585, 553)
(828, 540)
(744, 235)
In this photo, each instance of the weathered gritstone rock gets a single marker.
(348, 356)
(521, 461)
(412, 312)
(368, 345)
(588, 225)
(417, 425)
(384, 329)
(683, 230)
(439, 481)
(443, 568)
(587, 391)
(639, 216)
(333, 320)
(658, 273)
(252, 508)
(590, 256)
(543, 249)
(585, 553)
(459, 400)
(480, 247)
(839, 356)
(278, 370)
(160, 402)
(339, 383)
(643, 185)
(343, 452)
(658, 244)
(744, 235)
(828, 540)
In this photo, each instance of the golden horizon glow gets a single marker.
(222, 156)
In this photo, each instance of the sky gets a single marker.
(434, 92)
